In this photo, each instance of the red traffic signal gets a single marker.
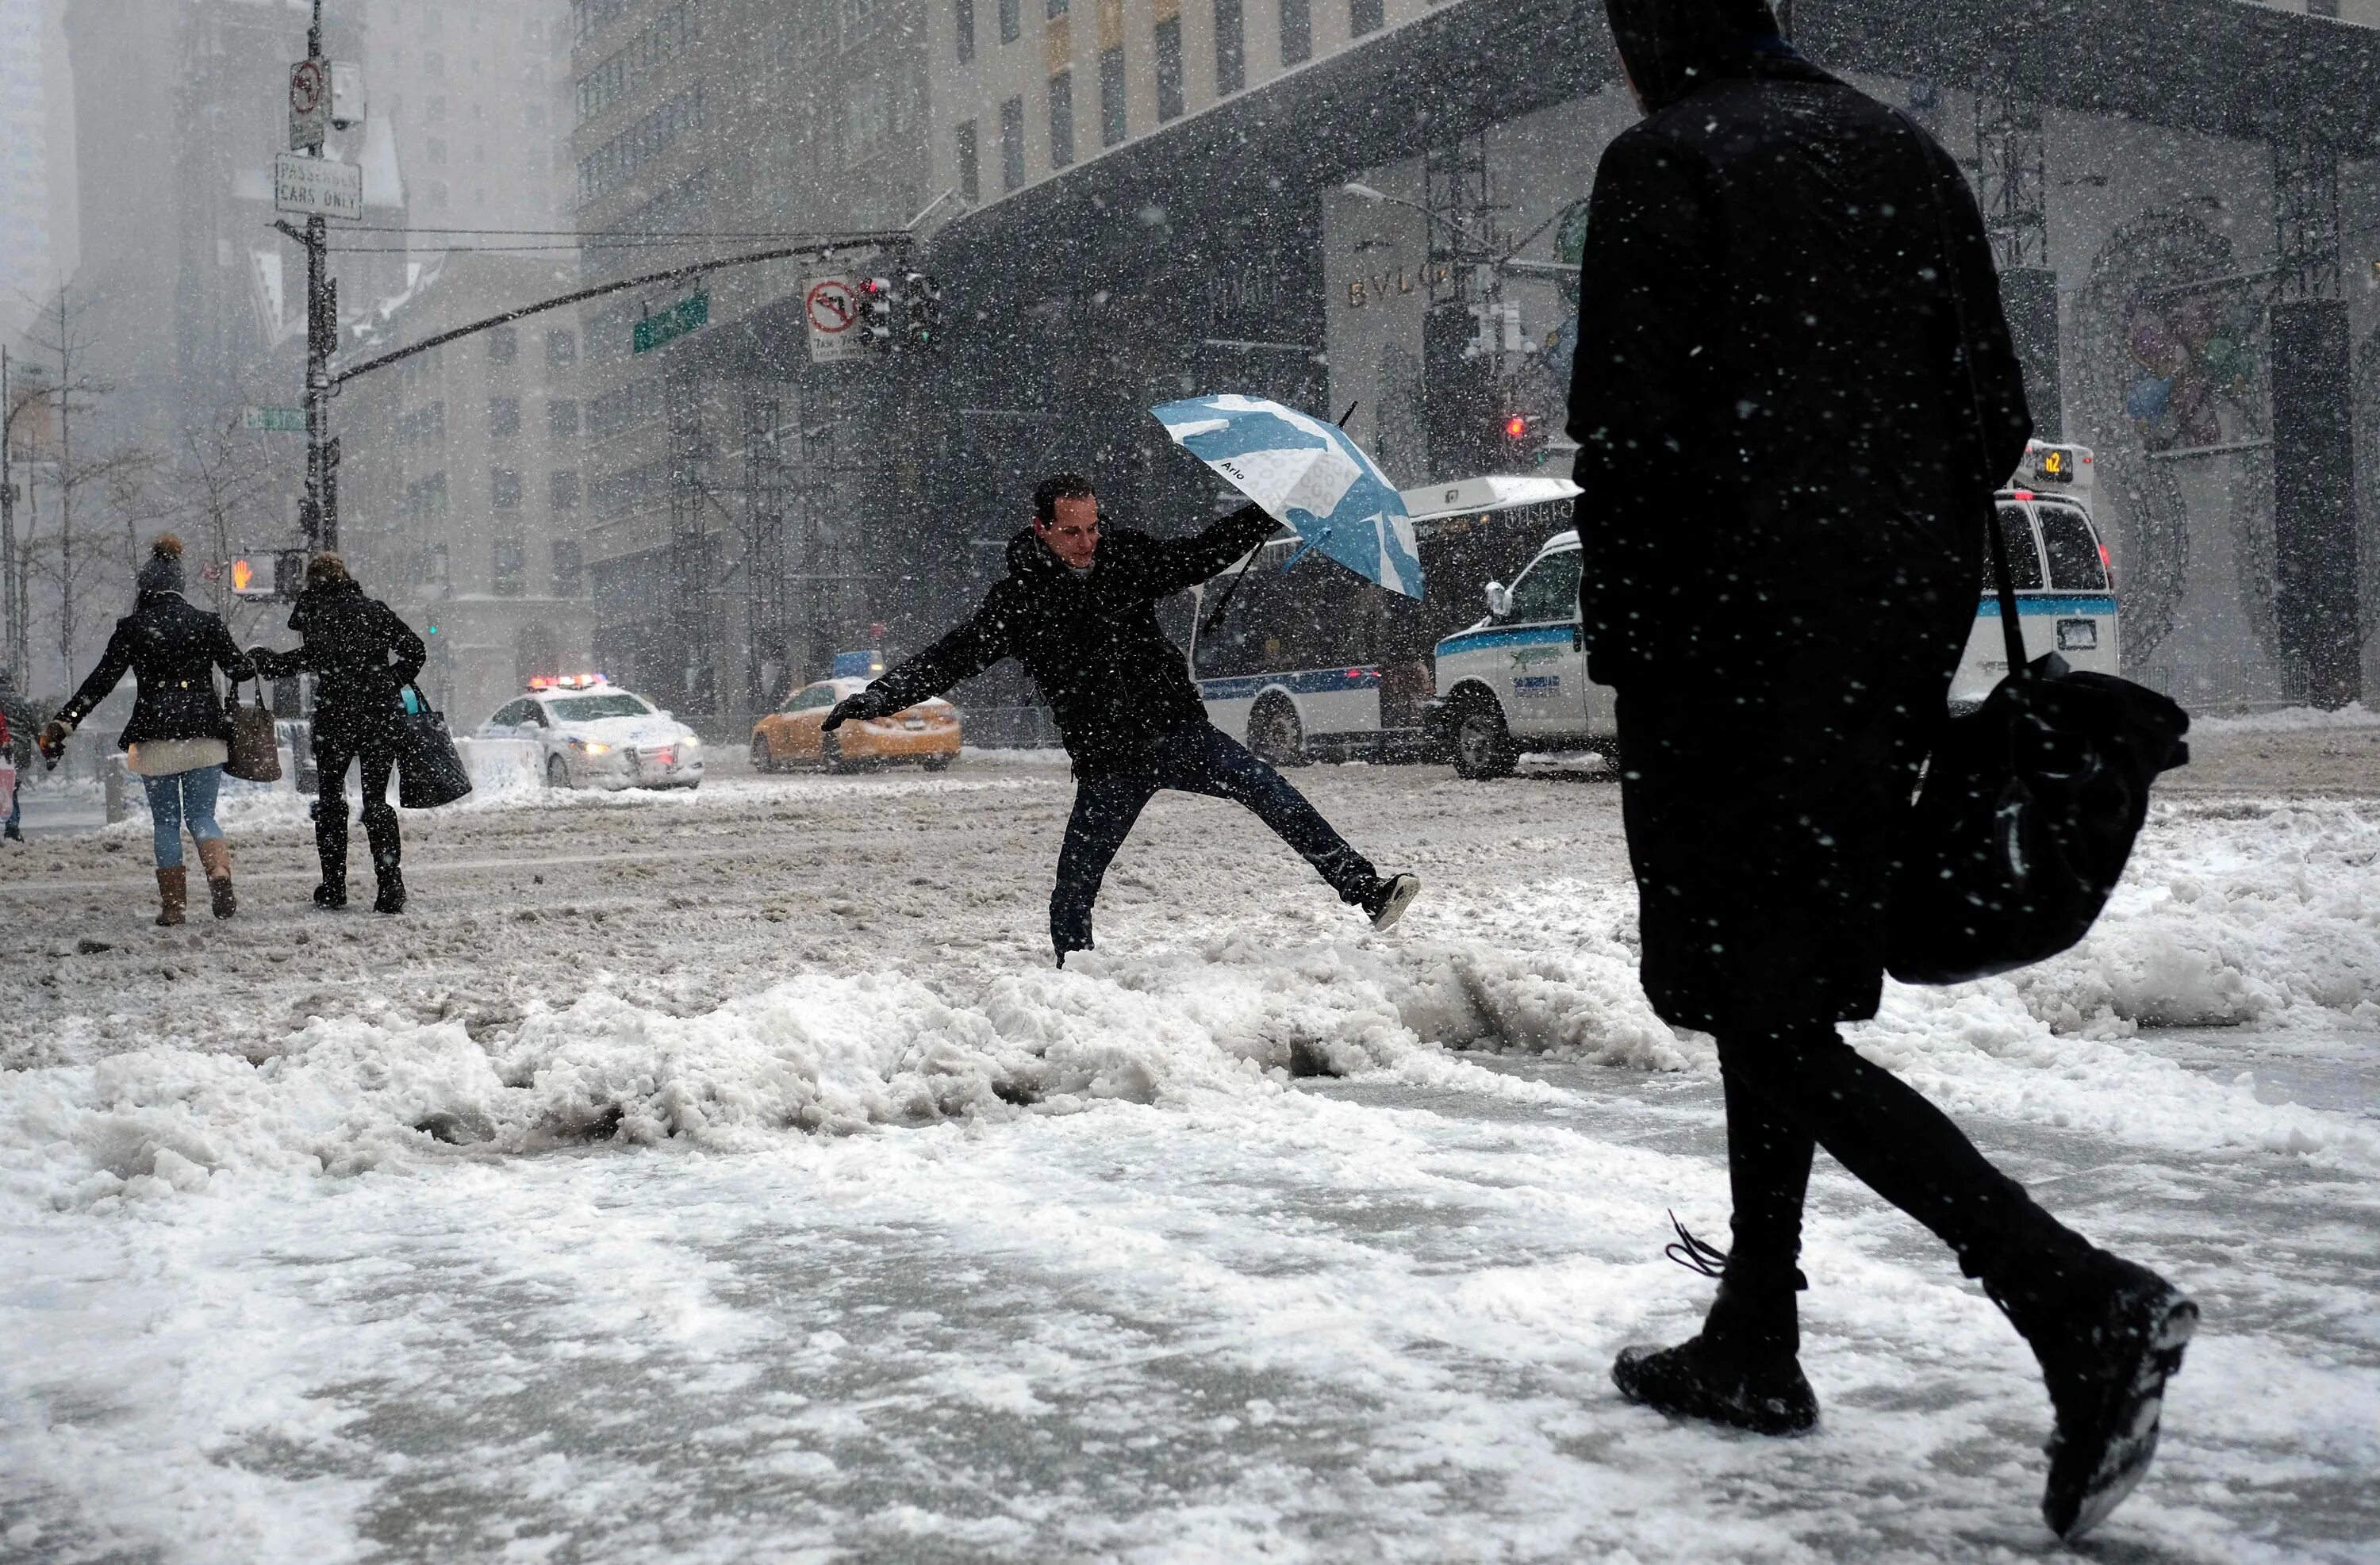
(1516, 427)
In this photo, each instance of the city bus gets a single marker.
(1311, 660)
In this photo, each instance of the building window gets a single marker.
(434, 110)
(867, 121)
(970, 165)
(437, 152)
(1062, 119)
(508, 562)
(1010, 22)
(965, 18)
(1168, 68)
(1231, 47)
(561, 489)
(1362, 17)
(561, 417)
(1296, 32)
(561, 349)
(503, 416)
(503, 344)
(1011, 144)
(1057, 9)
(438, 195)
(435, 66)
(1111, 118)
(569, 568)
(503, 488)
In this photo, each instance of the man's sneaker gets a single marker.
(1387, 904)
(2106, 1376)
(1767, 1397)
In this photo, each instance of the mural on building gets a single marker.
(2171, 354)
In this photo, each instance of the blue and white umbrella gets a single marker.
(1307, 474)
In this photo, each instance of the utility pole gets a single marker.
(320, 510)
(9, 523)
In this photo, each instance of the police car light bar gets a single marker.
(566, 681)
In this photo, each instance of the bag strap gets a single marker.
(2011, 633)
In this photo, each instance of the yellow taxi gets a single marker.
(927, 734)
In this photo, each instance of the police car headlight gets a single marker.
(692, 742)
(589, 746)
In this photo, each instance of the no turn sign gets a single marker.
(309, 103)
(831, 306)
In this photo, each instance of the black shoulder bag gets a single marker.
(2030, 802)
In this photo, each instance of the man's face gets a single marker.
(1073, 534)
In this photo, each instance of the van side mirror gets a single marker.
(1499, 599)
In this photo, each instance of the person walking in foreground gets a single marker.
(1079, 609)
(362, 657)
(1788, 445)
(180, 737)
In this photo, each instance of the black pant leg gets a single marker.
(333, 754)
(378, 756)
(1903, 1148)
(1209, 761)
(1768, 1161)
(1104, 811)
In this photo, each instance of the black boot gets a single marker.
(333, 892)
(2107, 1336)
(1743, 1369)
(391, 896)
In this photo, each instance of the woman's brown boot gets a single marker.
(173, 893)
(215, 854)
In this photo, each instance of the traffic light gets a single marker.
(289, 573)
(1523, 439)
(876, 312)
(245, 582)
(922, 300)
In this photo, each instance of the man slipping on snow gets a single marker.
(1793, 397)
(1079, 609)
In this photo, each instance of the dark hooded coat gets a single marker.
(1113, 678)
(172, 648)
(361, 656)
(1793, 395)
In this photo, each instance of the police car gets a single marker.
(1517, 680)
(597, 735)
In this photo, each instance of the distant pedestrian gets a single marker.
(180, 735)
(1079, 609)
(362, 657)
(16, 750)
(1789, 448)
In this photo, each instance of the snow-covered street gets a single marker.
(726, 1176)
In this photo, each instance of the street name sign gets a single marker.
(831, 305)
(275, 420)
(316, 185)
(673, 322)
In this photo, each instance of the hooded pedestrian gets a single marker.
(362, 657)
(1079, 609)
(16, 750)
(180, 736)
(1794, 396)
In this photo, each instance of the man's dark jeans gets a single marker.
(1195, 760)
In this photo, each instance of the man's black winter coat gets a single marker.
(1788, 445)
(172, 648)
(361, 656)
(1091, 641)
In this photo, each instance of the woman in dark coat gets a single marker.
(362, 657)
(179, 735)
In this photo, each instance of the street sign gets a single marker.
(830, 305)
(309, 103)
(274, 420)
(673, 322)
(309, 184)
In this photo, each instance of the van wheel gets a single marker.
(763, 758)
(1483, 745)
(1276, 737)
(556, 774)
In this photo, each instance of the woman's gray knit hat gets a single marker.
(163, 573)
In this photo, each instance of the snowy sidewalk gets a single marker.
(744, 1188)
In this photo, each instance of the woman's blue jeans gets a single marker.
(179, 799)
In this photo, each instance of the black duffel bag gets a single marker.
(429, 772)
(2027, 813)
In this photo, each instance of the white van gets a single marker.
(1314, 661)
(1517, 680)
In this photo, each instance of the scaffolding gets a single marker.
(2306, 246)
(2010, 183)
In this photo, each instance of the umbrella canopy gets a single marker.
(1307, 474)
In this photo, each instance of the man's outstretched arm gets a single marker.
(1178, 563)
(973, 646)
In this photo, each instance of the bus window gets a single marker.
(2074, 562)
(2023, 554)
(1317, 615)
(1549, 591)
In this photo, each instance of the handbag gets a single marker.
(255, 750)
(428, 771)
(2030, 803)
